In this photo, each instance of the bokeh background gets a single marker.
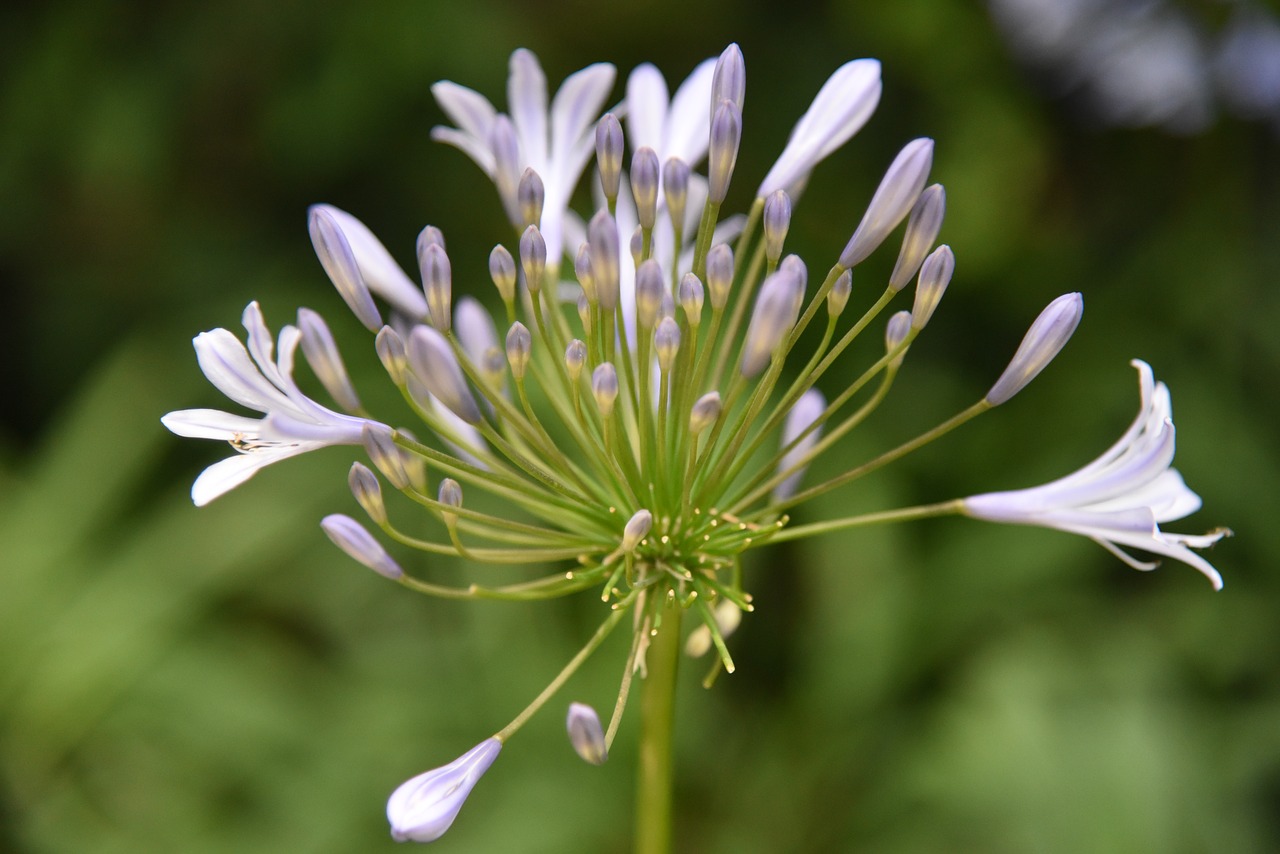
(222, 679)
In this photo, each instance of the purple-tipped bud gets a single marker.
(668, 307)
(437, 283)
(585, 734)
(379, 443)
(450, 495)
(675, 188)
(505, 145)
(502, 269)
(390, 349)
(533, 258)
(530, 195)
(321, 353)
(609, 154)
(776, 310)
(1043, 341)
(368, 492)
(691, 299)
(704, 413)
(838, 296)
(922, 230)
(935, 275)
(350, 536)
(802, 415)
(430, 235)
(433, 363)
(422, 809)
(519, 346)
(666, 343)
(602, 234)
(719, 274)
(604, 385)
(893, 200)
(726, 134)
(637, 528)
(585, 313)
(794, 265)
(582, 269)
(575, 356)
(729, 81)
(644, 185)
(777, 219)
(895, 332)
(636, 245)
(339, 263)
(649, 290)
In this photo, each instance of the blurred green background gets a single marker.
(222, 679)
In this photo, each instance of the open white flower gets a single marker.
(292, 424)
(1121, 498)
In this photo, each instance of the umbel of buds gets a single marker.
(665, 390)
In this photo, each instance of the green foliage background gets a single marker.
(174, 679)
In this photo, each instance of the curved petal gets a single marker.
(224, 476)
(527, 103)
(574, 111)
(226, 363)
(688, 126)
(210, 424)
(378, 269)
(470, 110)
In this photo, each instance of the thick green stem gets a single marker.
(654, 784)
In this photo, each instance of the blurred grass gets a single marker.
(223, 680)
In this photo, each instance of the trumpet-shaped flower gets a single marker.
(292, 424)
(423, 808)
(1120, 498)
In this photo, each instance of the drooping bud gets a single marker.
(1043, 341)
(575, 356)
(434, 364)
(450, 495)
(533, 258)
(582, 269)
(675, 189)
(602, 234)
(729, 81)
(379, 443)
(666, 343)
(350, 536)
(505, 145)
(935, 275)
(422, 809)
(321, 353)
(604, 385)
(530, 194)
(519, 345)
(704, 413)
(776, 310)
(502, 269)
(838, 296)
(895, 332)
(644, 185)
(719, 274)
(691, 299)
(802, 415)
(922, 229)
(368, 492)
(637, 529)
(585, 734)
(609, 154)
(726, 134)
(437, 283)
(339, 263)
(777, 219)
(390, 349)
(893, 200)
(649, 290)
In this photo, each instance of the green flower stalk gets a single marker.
(653, 414)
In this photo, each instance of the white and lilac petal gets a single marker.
(210, 424)
(225, 475)
(226, 363)
(688, 123)
(527, 101)
(379, 270)
(470, 111)
(647, 103)
(574, 111)
(475, 147)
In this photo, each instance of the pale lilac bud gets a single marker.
(321, 353)
(668, 306)
(390, 349)
(675, 188)
(704, 413)
(776, 309)
(502, 269)
(604, 385)
(379, 443)
(691, 299)
(602, 234)
(637, 528)
(429, 236)
(726, 134)
(796, 266)
(922, 229)
(838, 296)
(530, 195)
(339, 262)
(729, 81)
(450, 495)
(777, 219)
(582, 269)
(892, 201)
(584, 312)
(533, 258)
(649, 290)
(666, 343)
(350, 536)
(519, 345)
(644, 185)
(609, 154)
(367, 491)
(719, 274)
(1043, 341)
(437, 283)
(505, 145)
(585, 734)
(935, 275)
(434, 364)
(895, 332)
(575, 356)
(636, 245)
(423, 808)
(475, 330)
(803, 414)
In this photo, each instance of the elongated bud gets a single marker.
(422, 809)
(437, 283)
(775, 313)
(502, 269)
(691, 299)
(838, 296)
(604, 385)
(450, 495)
(602, 234)
(794, 265)
(584, 313)
(519, 345)
(505, 145)
(637, 529)
(390, 349)
(1043, 341)
(726, 134)
(585, 734)
(644, 185)
(729, 81)
(339, 262)
(575, 356)
(935, 275)
(321, 353)
(719, 274)
(704, 413)
(609, 154)
(429, 236)
(434, 364)
(675, 189)
(895, 332)
(636, 245)
(802, 415)
(582, 269)
(922, 230)
(666, 343)
(379, 443)
(350, 536)
(649, 290)
(893, 200)
(368, 492)
(777, 219)
(530, 194)
(475, 330)
(533, 258)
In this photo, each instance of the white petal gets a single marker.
(469, 110)
(210, 424)
(574, 112)
(224, 476)
(527, 103)
(688, 125)
(647, 102)
(380, 271)
(226, 363)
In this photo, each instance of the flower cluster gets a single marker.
(651, 415)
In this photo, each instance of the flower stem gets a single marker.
(654, 784)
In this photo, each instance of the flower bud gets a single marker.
(777, 219)
(726, 134)
(776, 310)
(935, 275)
(414, 466)
(423, 808)
(649, 290)
(691, 299)
(434, 364)
(602, 234)
(380, 444)
(604, 385)
(475, 330)
(350, 536)
(922, 229)
(450, 495)
(390, 349)
(437, 283)
(502, 269)
(893, 200)
(575, 356)
(728, 617)
(637, 528)
(530, 195)
(368, 492)
(803, 414)
(1043, 341)
(582, 269)
(584, 313)
(519, 345)
(609, 154)
(339, 262)
(704, 413)
(666, 343)
(719, 274)
(585, 734)
(321, 353)
(429, 236)
(644, 185)
(636, 245)
(675, 189)
(838, 296)
(533, 258)
(729, 81)
(895, 332)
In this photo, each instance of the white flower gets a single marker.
(423, 808)
(292, 423)
(1121, 498)
(555, 144)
